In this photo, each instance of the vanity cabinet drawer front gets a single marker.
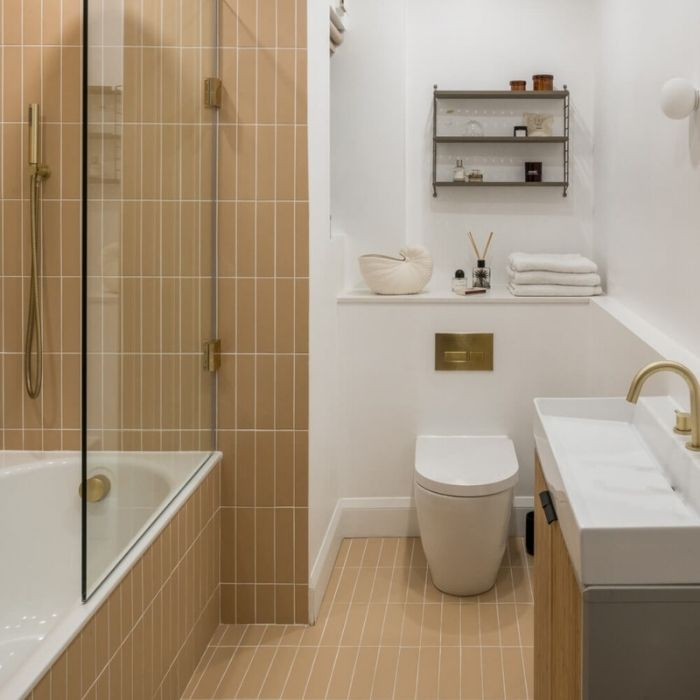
(558, 606)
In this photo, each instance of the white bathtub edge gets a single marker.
(68, 629)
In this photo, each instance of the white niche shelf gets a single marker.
(496, 295)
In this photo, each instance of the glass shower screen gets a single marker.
(148, 243)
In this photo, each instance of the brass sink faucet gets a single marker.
(693, 385)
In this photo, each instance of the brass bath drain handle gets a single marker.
(98, 487)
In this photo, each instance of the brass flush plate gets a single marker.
(464, 352)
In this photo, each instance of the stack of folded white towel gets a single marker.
(549, 275)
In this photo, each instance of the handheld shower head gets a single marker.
(34, 134)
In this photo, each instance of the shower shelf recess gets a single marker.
(563, 140)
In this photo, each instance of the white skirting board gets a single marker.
(377, 517)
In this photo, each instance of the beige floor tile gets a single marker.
(387, 556)
(393, 624)
(335, 624)
(428, 673)
(363, 676)
(412, 621)
(431, 625)
(356, 552)
(278, 672)
(292, 635)
(213, 673)
(354, 625)
(508, 624)
(372, 552)
(449, 682)
(385, 673)
(492, 673)
(341, 677)
(504, 586)
(450, 629)
(418, 559)
(233, 677)
(363, 585)
(469, 625)
(471, 673)
(346, 585)
(399, 585)
(333, 583)
(407, 672)
(514, 674)
(198, 673)
(343, 552)
(417, 579)
(522, 591)
(299, 673)
(432, 594)
(253, 635)
(384, 631)
(232, 635)
(404, 552)
(276, 634)
(374, 625)
(257, 672)
(488, 625)
(382, 585)
(526, 615)
(321, 672)
(312, 635)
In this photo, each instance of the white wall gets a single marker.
(392, 393)
(373, 388)
(648, 167)
(382, 82)
(324, 284)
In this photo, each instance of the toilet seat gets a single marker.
(465, 465)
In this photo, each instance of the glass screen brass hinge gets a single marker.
(212, 93)
(211, 355)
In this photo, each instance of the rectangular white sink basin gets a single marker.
(625, 488)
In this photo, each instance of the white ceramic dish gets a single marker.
(407, 274)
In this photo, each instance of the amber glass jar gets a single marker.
(518, 85)
(543, 81)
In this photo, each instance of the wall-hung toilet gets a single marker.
(464, 496)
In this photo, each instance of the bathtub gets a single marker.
(40, 543)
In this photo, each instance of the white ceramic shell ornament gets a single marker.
(407, 274)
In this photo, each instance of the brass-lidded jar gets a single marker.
(543, 81)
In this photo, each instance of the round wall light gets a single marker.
(679, 98)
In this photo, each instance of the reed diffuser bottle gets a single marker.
(481, 274)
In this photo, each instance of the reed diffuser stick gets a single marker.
(488, 244)
(476, 250)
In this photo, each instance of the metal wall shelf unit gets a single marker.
(562, 95)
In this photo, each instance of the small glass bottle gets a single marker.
(459, 282)
(458, 174)
(481, 275)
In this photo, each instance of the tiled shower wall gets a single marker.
(40, 62)
(262, 268)
(263, 311)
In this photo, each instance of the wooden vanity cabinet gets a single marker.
(558, 610)
(609, 642)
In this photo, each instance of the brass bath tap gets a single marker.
(693, 385)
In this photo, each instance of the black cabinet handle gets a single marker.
(548, 507)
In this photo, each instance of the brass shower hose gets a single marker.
(33, 345)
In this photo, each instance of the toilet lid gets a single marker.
(465, 465)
